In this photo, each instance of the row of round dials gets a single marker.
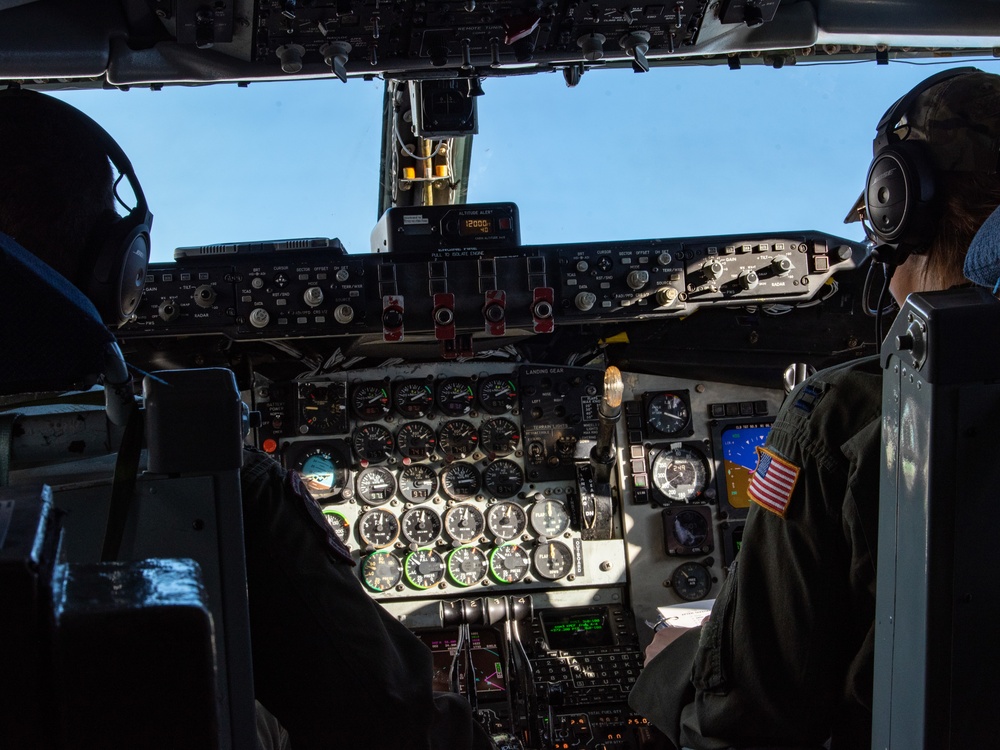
(466, 566)
(417, 441)
(465, 523)
(373, 400)
(377, 485)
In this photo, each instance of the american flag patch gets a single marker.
(773, 481)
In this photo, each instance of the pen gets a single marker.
(660, 624)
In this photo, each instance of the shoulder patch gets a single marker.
(773, 481)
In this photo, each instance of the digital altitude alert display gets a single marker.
(475, 225)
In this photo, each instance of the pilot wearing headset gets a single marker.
(331, 664)
(786, 657)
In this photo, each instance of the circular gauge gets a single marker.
(553, 560)
(416, 440)
(690, 528)
(375, 485)
(421, 526)
(321, 409)
(457, 439)
(417, 482)
(679, 474)
(460, 481)
(381, 571)
(455, 396)
(323, 471)
(372, 443)
(499, 437)
(498, 394)
(413, 399)
(503, 478)
(669, 414)
(339, 523)
(467, 566)
(509, 563)
(370, 401)
(506, 521)
(692, 581)
(378, 528)
(464, 523)
(549, 518)
(423, 568)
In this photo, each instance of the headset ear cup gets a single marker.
(899, 195)
(118, 272)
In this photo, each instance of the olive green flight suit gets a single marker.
(786, 658)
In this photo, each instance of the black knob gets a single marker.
(392, 318)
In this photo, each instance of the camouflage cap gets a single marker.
(959, 121)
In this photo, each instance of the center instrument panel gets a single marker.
(476, 480)
(447, 409)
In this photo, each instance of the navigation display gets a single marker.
(487, 660)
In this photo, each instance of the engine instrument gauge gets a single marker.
(669, 414)
(370, 401)
(378, 528)
(381, 571)
(457, 439)
(553, 560)
(423, 568)
(680, 473)
(692, 581)
(503, 478)
(498, 394)
(455, 396)
(464, 523)
(416, 441)
(339, 523)
(467, 566)
(506, 521)
(460, 480)
(375, 485)
(499, 437)
(323, 471)
(421, 526)
(372, 443)
(417, 482)
(413, 399)
(509, 563)
(549, 518)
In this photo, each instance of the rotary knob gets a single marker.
(713, 271)
(313, 296)
(781, 265)
(637, 279)
(748, 280)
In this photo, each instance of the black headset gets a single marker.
(118, 249)
(900, 188)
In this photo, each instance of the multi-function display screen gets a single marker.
(487, 660)
(564, 632)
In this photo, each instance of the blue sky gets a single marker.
(673, 152)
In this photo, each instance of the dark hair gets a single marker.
(968, 200)
(56, 183)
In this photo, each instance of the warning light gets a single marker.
(270, 445)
